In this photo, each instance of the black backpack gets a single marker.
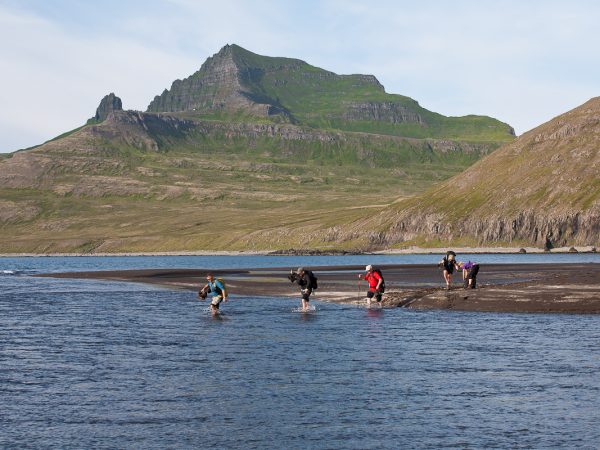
(313, 280)
(378, 272)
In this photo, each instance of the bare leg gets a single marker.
(304, 305)
(448, 279)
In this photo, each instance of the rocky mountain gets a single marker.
(289, 90)
(248, 152)
(108, 104)
(542, 189)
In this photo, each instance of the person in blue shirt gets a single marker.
(216, 289)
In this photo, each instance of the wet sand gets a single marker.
(558, 288)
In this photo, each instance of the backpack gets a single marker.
(313, 280)
(220, 280)
(378, 272)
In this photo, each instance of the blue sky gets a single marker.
(521, 62)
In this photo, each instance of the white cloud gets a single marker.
(52, 82)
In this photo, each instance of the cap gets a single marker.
(369, 267)
(300, 270)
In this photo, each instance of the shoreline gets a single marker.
(307, 252)
(508, 288)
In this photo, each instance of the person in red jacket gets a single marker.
(375, 280)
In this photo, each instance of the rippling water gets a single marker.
(115, 365)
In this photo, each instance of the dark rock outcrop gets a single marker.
(383, 112)
(223, 83)
(107, 105)
(547, 231)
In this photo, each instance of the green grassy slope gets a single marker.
(215, 187)
(544, 186)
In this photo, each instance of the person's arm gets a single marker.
(364, 277)
(202, 291)
(224, 291)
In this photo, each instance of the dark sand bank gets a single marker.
(562, 288)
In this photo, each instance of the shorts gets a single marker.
(216, 300)
(306, 294)
(372, 294)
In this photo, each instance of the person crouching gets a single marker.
(470, 271)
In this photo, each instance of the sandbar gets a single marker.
(519, 288)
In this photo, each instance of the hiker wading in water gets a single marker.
(216, 288)
(376, 284)
(307, 282)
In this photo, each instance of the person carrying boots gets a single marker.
(216, 289)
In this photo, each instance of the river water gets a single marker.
(93, 364)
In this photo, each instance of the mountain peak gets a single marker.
(108, 104)
(236, 84)
(228, 81)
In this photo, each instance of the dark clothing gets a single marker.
(472, 275)
(305, 281)
(377, 295)
(448, 265)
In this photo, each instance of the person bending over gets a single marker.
(470, 271)
(307, 282)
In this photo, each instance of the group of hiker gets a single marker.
(308, 283)
(469, 270)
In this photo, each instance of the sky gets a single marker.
(522, 62)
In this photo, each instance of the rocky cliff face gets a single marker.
(531, 227)
(543, 188)
(221, 84)
(107, 105)
(383, 112)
